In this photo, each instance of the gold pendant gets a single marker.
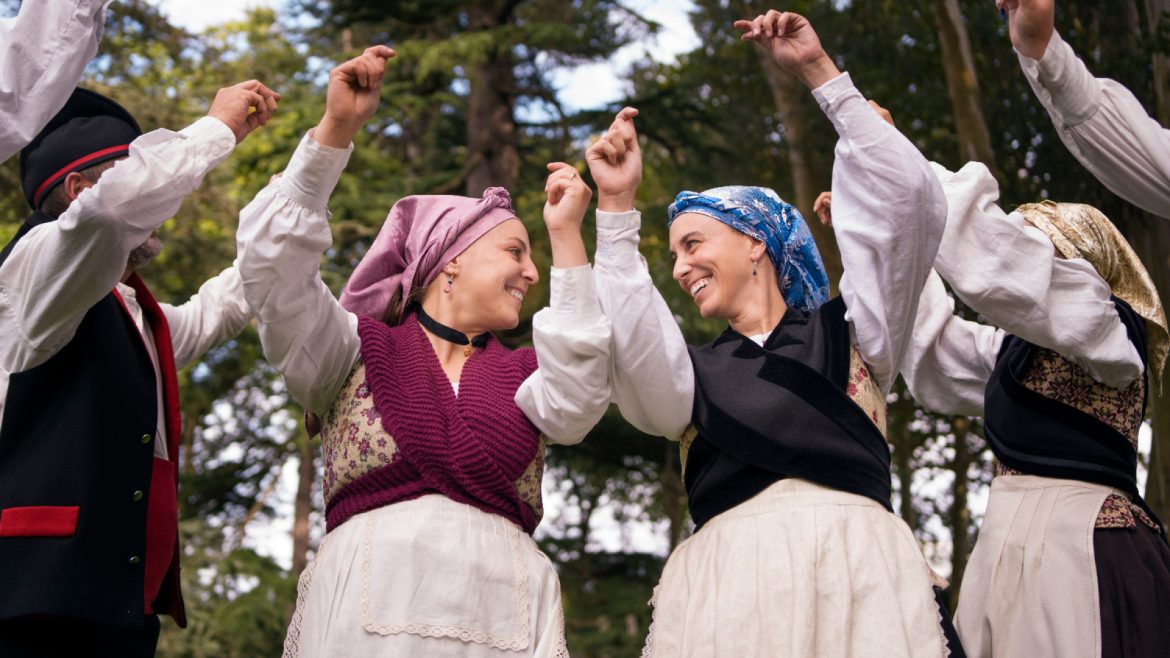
(467, 351)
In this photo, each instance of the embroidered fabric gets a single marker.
(865, 392)
(517, 642)
(1058, 378)
(352, 438)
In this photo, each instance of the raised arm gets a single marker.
(61, 268)
(888, 208)
(283, 232)
(43, 51)
(1101, 122)
(650, 371)
(569, 392)
(950, 359)
(216, 313)
(1007, 270)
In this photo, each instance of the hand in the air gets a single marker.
(568, 198)
(1030, 24)
(615, 162)
(882, 112)
(823, 207)
(791, 41)
(244, 107)
(355, 89)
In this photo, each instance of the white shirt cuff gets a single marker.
(313, 172)
(573, 294)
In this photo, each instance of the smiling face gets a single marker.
(713, 262)
(491, 278)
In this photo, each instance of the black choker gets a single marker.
(450, 335)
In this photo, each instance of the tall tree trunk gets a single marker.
(303, 506)
(809, 177)
(959, 66)
(1154, 252)
(960, 512)
(674, 495)
(494, 159)
(1161, 63)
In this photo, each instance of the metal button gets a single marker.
(134, 559)
(138, 495)
(146, 438)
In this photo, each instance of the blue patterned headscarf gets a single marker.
(760, 213)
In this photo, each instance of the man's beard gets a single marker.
(144, 253)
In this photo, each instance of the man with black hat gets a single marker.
(43, 51)
(89, 409)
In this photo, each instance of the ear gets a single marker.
(75, 184)
(757, 250)
(452, 268)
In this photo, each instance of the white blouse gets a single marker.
(313, 341)
(43, 51)
(60, 269)
(1006, 270)
(1104, 126)
(888, 217)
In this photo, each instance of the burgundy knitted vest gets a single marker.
(471, 447)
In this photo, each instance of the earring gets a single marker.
(755, 268)
(447, 287)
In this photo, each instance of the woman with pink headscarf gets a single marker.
(433, 432)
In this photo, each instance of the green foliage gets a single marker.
(707, 119)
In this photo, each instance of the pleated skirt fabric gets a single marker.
(428, 577)
(1133, 583)
(1044, 581)
(798, 570)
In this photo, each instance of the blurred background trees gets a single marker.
(472, 100)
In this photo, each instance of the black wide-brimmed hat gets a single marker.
(89, 130)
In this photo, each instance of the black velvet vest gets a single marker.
(1036, 434)
(781, 410)
(78, 432)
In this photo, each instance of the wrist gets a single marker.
(335, 132)
(818, 72)
(619, 202)
(568, 248)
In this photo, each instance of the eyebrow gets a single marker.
(688, 236)
(518, 241)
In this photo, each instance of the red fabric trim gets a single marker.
(79, 163)
(38, 521)
(162, 504)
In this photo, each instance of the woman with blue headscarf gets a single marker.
(780, 419)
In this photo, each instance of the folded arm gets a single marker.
(569, 392)
(1007, 270)
(950, 359)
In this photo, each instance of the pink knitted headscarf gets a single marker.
(421, 235)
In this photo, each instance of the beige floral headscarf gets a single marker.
(1081, 231)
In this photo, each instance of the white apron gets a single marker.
(798, 570)
(428, 577)
(1030, 588)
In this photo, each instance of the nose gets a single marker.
(681, 269)
(529, 273)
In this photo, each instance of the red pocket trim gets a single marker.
(38, 521)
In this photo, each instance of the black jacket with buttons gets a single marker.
(78, 432)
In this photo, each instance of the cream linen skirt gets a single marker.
(799, 570)
(1030, 588)
(429, 578)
